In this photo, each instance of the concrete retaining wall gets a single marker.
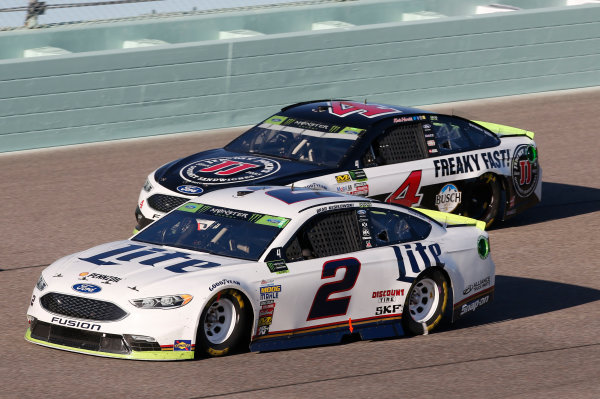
(100, 91)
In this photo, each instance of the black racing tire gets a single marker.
(425, 303)
(224, 325)
(484, 201)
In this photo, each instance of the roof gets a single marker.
(347, 112)
(275, 200)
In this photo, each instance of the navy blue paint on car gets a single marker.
(312, 139)
(298, 195)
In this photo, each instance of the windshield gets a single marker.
(220, 231)
(306, 141)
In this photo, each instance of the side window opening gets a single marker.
(481, 138)
(451, 138)
(400, 143)
(458, 135)
(390, 227)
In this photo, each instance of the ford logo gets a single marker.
(86, 288)
(191, 190)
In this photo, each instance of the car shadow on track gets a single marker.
(559, 201)
(518, 297)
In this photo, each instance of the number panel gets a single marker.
(323, 306)
(408, 192)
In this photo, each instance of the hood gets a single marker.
(136, 268)
(219, 168)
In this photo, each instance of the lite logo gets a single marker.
(414, 258)
(133, 251)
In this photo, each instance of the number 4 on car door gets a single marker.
(408, 192)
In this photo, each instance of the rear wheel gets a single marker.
(224, 325)
(484, 201)
(425, 303)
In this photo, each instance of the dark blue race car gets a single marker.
(395, 154)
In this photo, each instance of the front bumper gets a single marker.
(101, 344)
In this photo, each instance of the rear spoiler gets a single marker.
(451, 219)
(503, 130)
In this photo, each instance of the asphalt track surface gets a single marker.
(539, 339)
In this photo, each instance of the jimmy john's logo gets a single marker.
(227, 170)
(525, 170)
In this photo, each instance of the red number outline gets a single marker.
(408, 192)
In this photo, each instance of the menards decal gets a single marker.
(460, 164)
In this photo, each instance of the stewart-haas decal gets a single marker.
(227, 170)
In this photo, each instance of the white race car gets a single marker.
(266, 268)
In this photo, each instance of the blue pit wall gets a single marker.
(116, 80)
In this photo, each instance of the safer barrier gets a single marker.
(143, 78)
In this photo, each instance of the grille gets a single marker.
(81, 308)
(165, 203)
(80, 339)
(402, 144)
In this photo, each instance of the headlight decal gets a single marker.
(162, 302)
(41, 283)
(148, 186)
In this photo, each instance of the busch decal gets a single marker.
(525, 173)
(227, 170)
(448, 198)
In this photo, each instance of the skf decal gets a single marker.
(414, 258)
(345, 108)
(162, 256)
(76, 323)
(182, 345)
(388, 309)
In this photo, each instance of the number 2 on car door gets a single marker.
(322, 305)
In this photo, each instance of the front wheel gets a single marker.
(224, 325)
(425, 303)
